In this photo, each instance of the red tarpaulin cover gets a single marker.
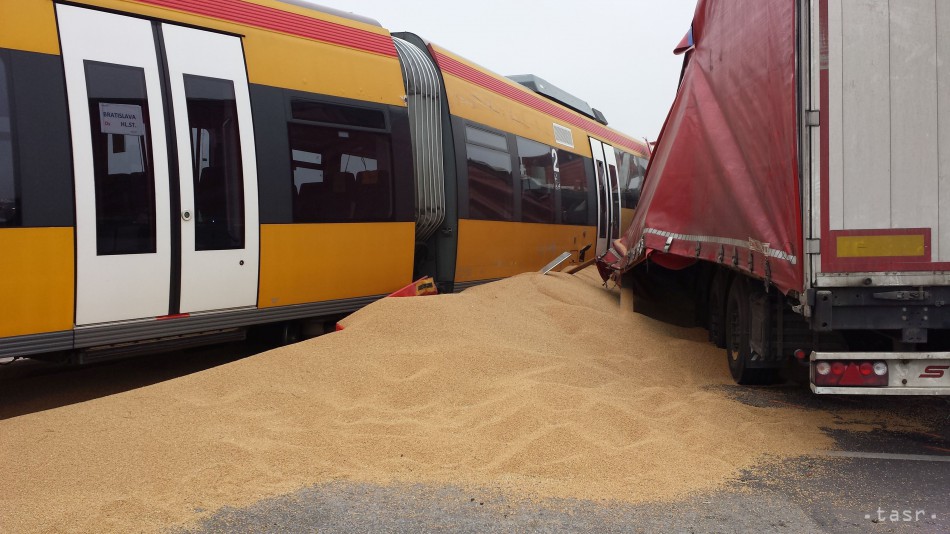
(723, 180)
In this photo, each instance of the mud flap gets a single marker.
(760, 334)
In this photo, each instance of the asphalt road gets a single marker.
(879, 482)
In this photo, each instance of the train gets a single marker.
(176, 173)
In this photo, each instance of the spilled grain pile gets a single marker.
(535, 386)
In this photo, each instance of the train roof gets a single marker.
(521, 96)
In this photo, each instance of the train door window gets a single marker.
(538, 182)
(217, 171)
(604, 199)
(122, 165)
(575, 204)
(631, 178)
(343, 172)
(615, 201)
(490, 187)
(9, 198)
(201, 149)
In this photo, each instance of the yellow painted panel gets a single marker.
(475, 103)
(876, 246)
(315, 262)
(29, 25)
(292, 63)
(494, 249)
(36, 280)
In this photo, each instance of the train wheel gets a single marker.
(738, 327)
(289, 333)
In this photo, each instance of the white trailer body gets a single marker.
(875, 161)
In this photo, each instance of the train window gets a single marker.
(642, 170)
(122, 163)
(217, 171)
(490, 187)
(9, 198)
(538, 182)
(574, 193)
(340, 175)
(336, 114)
(486, 138)
(631, 179)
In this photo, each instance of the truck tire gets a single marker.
(738, 327)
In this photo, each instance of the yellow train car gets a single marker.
(174, 172)
(569, 186)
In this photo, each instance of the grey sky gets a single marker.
(615, 54)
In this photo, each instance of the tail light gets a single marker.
(850, 373)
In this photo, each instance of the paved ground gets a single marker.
(818, 501)
(361, 508)
(879, 482)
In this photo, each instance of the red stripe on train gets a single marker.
(290, 23)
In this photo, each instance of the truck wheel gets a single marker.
(738, 325)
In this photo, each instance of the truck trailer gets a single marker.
(797, 203)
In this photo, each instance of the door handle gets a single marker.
(186, 215)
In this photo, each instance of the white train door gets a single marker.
(153, 237)
(608, 194)
(217, 169)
